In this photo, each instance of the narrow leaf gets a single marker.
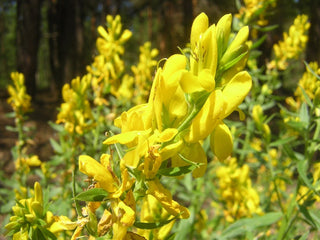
(56, 146)
(92, 195)
(146, 225)
(302, 168)
(249, 224)
(176, 171)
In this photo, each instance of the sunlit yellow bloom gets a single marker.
(309, 82)
(305, 192)
(194, 153)
(125, 217)
(103, 174)
(259, 120)
(221, 142)
(152, 211)
(293, 43)
(143, 72)
(254, 11)
(19, 100)
(236, 192)
(163, 195)
(108, 67)
(30, 214)
(75, 112)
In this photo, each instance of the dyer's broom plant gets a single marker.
(160, 153)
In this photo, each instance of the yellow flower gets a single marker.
(152, 211)
(19, 100)
(29, 215)
(293, 43)
(239, 197)
(254, 11)
(108, 67)
(75, 112)
(310, 83)
(156, 189)
(103, 174)
(143, 72)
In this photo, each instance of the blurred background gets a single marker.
(52, 41)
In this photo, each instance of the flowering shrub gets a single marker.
(165, 157)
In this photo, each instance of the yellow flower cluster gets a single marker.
(189, 98)
(293, 43)
(305, 193)
(136, 88)
(19, 100)
(259, 120)
(310, 83)
(32, 214)
(75, 112)
(108, 67)
(23, 164)
(236, 192)
(255, 10)
(152, 211)
(143, 72)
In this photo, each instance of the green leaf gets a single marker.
(283, 141)
(302, 168)
(315, 218)
(92, 195)
(47, 233)
(304, 115)
(56, 127)
(11, 128)
(249, 224)
(307, 216)
(259, 42)
(311, 70)
(146, 225)
(176, 171)
(304, 236)
(308, 100)
(56, 146)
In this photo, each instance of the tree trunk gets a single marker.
(313, 48)
(67, 40)
(28, 35)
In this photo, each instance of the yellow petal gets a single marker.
(123, 138)
(98, 172)
(105, 223)
(164, 196)
(236, 91)
(221, 142)
(190, 83)
(199, 26)
(174, 63)
(223, 32)
(195, 153)
(167, 134)
(207, 80)
(170, 150)
(208, 117)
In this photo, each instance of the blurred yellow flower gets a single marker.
(240, 199)
(293, 44)
(19, 100)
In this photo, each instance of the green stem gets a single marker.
(78, 208)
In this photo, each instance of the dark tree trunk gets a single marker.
(67, 40)
(313, 49)
(188, 16)
(28, 35)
